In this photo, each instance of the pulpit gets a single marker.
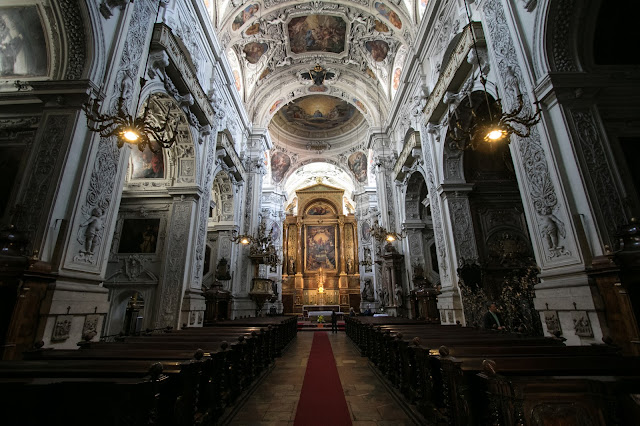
(261, 286)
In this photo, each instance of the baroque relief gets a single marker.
(172, 289)
(101, 188)
(591, 146)
(435, 204)
(462, 229)
(27, 216)
(550, 226)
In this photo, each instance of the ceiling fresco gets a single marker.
(317, 112)
(317, 74)
(317, 33)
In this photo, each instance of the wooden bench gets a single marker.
(184, 377)
(458, 375)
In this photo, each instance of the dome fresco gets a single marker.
(317, 112)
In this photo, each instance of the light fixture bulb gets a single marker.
(244, 241)
(495, 135)
(130, 135)
(391, 238)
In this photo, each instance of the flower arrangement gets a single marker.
(320, 318)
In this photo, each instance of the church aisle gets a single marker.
(275, 400)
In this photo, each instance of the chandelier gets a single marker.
(244, 239)
(129, 128)
(486, 120)
(381, 234)
(261, 247)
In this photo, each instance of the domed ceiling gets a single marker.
(316, 116)
(318, 73)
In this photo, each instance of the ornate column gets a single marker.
(193, 305)
(299, 263)
(449, 300)
(455, 199)
(177, 259)
(354, 235)
(556, 230)
(255, 170)
(343, 261)
(459, 222)
(80, 175)
(285, 251)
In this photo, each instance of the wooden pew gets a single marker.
(196, 375)
(443, 371)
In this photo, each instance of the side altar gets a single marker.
(320, 247)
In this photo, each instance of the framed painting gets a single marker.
(146, 164)
(280, 163)
(320, 248)
(358, 165)
(23, 47)
(139, 236)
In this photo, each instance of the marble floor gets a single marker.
(275, 400)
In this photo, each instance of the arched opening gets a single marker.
(145, 222)
(418, 226)
(501, 267)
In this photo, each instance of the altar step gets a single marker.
(315, 326)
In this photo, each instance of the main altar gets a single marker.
(320, 245)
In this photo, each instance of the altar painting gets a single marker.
(320, 247)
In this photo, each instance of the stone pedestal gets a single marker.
(73, 311)
(193, 307)
(450, 306)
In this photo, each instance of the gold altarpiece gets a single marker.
(320, 244)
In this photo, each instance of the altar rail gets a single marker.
(180, 378)
(456, 375)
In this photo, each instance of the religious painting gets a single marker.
(139, 236)
(236, 79)
(318, 89)
(396, 78)
(319, 210)
(23, 47)
(378, 49)
(365, 231)
(280, 163)
(360, 105)
(358, 165)
(244, 16)
(254, 51)
(146, 164)
(317, 33)
(265, 73)
(276, 233)
(389, 14)
(253, 29)
(275, 106)
(320, 247)
(380, 27)
(423, 6)
(317, 112)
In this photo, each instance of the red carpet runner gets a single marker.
(322, 400)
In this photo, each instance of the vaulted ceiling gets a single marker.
(317, 73)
